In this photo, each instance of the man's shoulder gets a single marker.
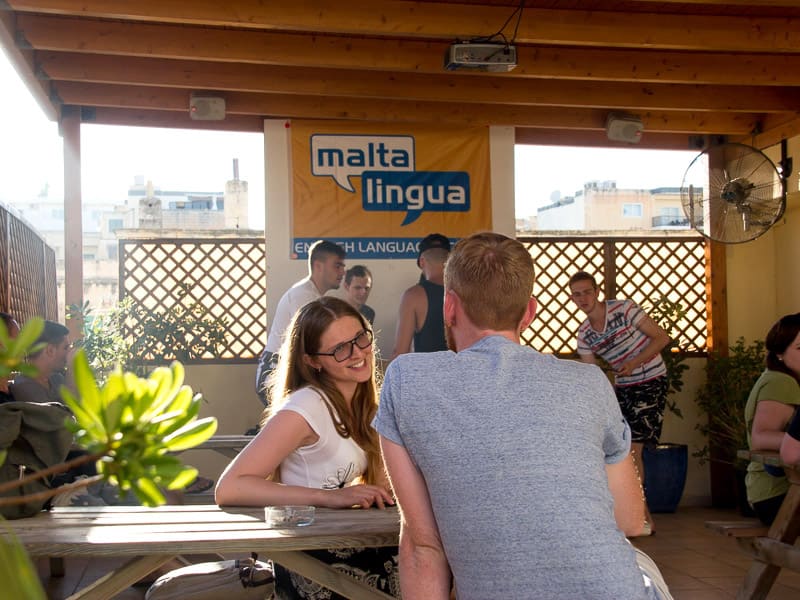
(303, 291)
(620, 304)
(26, 389)
(413, 294)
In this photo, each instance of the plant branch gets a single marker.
(45, 494)
(55, 469)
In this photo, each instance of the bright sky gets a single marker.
(177, 159)
(173, 159)
(541, 170)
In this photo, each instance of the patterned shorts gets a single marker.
(642, 405)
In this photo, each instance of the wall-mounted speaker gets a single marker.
(206, 108)
(624, 128)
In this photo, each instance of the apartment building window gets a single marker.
(632, 209)
(670, 211)
(114, 224)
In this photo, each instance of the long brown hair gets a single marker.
(293, 373)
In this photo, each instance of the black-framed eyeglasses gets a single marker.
(344, 350)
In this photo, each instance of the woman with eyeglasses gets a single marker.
(769, 409)
(316, 445)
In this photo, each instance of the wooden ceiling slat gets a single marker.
(258, 47)
(327, 82)
(700, 67)
(598, 139)
(281, 105)
(170, 119)
(447, 21)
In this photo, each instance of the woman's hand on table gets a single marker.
(361, 495)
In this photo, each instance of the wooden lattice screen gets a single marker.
(226, 276)
(28, 286)
(641, 269)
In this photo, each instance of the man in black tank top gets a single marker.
(420, 318)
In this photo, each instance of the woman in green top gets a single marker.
(769, 409)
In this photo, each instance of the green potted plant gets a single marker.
(131, 336)
(666, 463)
(729, 378)
(130, 426)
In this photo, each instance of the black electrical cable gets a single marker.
(499, 33)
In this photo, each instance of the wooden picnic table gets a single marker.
(227, 445)
(151, 537)
(776, 550)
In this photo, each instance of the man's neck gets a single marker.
(438, 279)
(318, 284)
(43, 376)
(468, 337)
(597, 316)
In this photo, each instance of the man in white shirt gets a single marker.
(325, 272)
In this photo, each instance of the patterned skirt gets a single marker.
(376, 567)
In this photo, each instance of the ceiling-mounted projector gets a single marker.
(481, 56)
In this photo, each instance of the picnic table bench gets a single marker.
(771, 548)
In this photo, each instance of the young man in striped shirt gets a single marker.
(622, 334)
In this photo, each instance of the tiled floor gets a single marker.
(697, 563)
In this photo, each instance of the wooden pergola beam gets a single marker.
(400, 111)
(651, 140)
(170, 119)
(406, 86)
(432, 20)
(64, 34)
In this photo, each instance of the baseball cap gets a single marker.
(433, 240)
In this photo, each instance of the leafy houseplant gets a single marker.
(729, 380)
(668, 314)
(130, 426)
(131, 335)
(184, 331)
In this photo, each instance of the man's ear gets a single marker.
(451, 301)
(530, 313)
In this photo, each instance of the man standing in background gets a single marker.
(420, 316)
(622, 334)
(325, 272)
(357, 286)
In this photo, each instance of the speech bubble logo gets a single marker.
(415, 192)
(344, 156)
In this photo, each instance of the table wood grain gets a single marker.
(151, 536)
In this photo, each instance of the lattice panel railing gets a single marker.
(225, 277)
(28, 286)
(643, 270)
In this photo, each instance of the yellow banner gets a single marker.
(378, 189)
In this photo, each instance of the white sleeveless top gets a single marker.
(329, 463)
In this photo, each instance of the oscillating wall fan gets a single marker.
(733, 193)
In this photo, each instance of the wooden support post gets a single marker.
(73, 228)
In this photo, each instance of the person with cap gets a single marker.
(420, 317)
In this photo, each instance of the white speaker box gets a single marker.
(621, 128)
(207, 108)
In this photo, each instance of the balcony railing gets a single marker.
(27, 270)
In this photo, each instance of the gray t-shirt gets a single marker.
(513, 446)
